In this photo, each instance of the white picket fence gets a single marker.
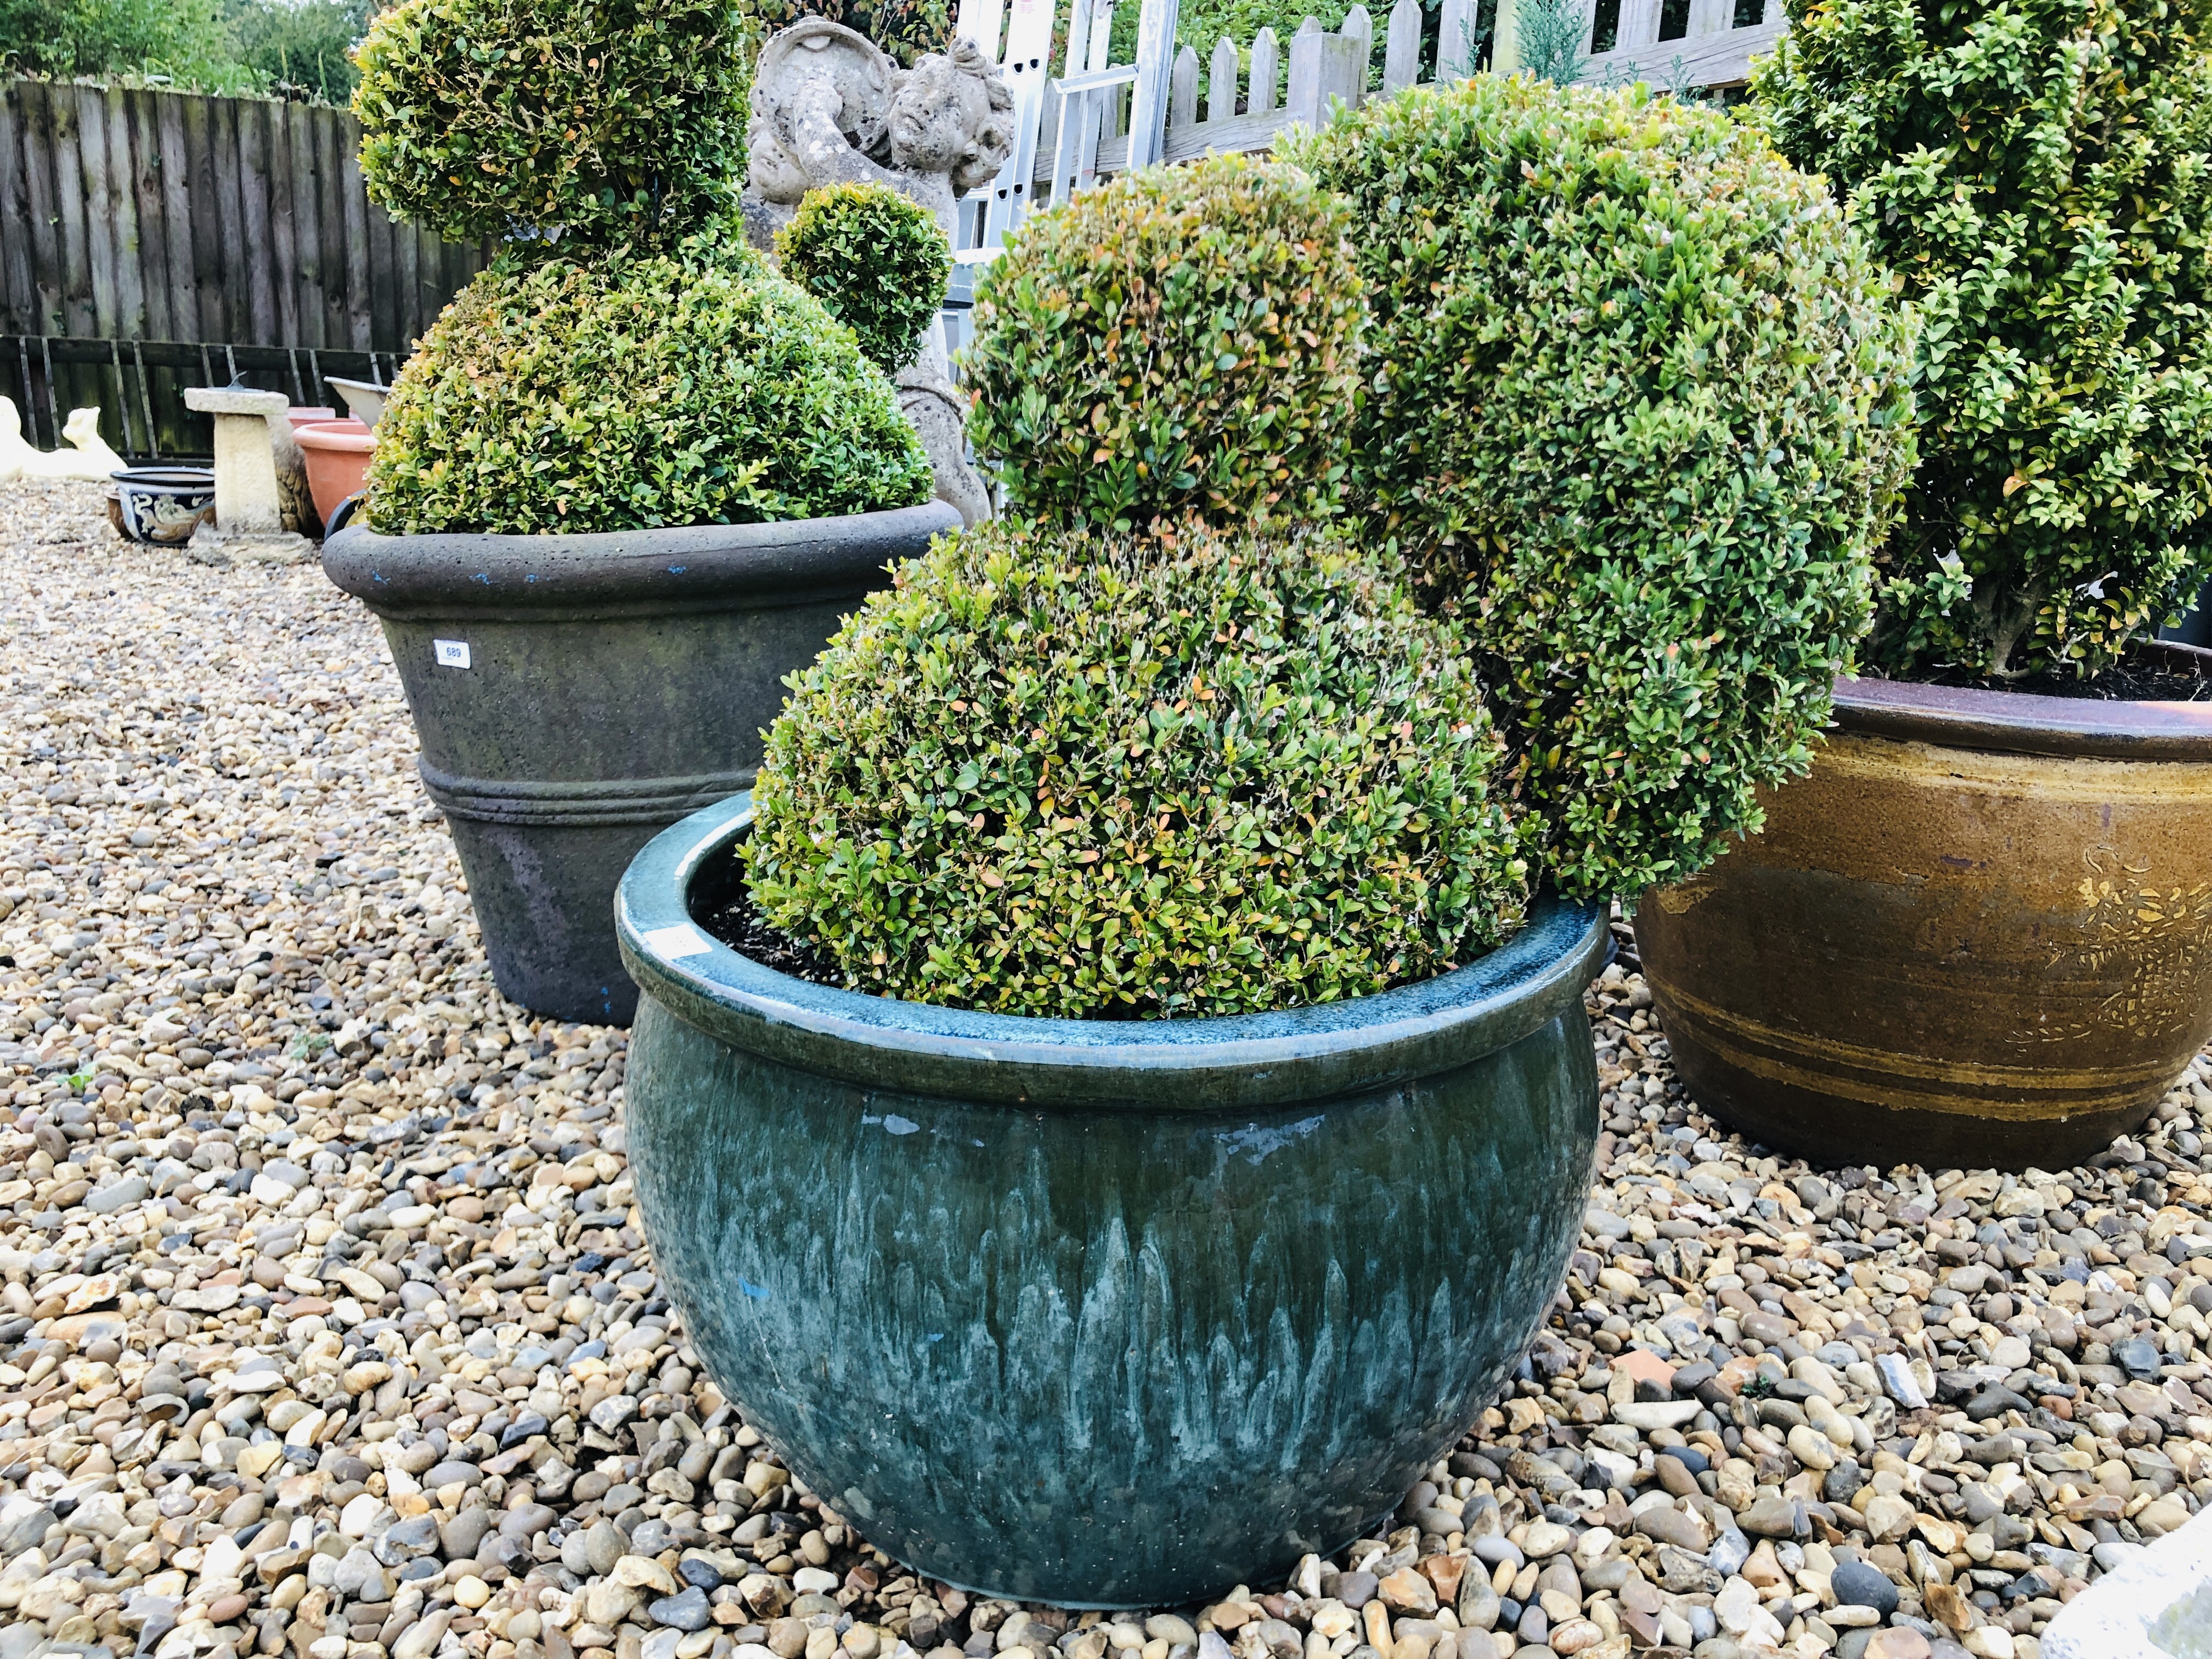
(1096, 117)
(1715, 51)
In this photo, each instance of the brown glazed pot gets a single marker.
(1978, 934)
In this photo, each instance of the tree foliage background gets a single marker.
(285, 48)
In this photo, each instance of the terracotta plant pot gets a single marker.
(337, 454)
(1103, 1312)
(1978, 933)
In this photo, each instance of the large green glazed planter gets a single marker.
(1104, 1313)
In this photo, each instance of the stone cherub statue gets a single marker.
(829, 107)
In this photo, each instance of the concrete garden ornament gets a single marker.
(260, 484)
(829, 107)
(87, 457)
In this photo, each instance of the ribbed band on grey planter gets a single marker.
(619, 800)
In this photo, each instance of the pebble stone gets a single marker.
(327, 1328)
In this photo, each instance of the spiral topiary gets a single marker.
(1180, 344)
(1636, 407)
(696, 387)
(877, 261)
(1067, 773)
(604, 121)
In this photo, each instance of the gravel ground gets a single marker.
(326, 1325)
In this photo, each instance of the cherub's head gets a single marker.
(951, 113)
(772, 173)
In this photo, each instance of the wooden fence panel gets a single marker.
(179, 303)
(19, 301)
(138, 215)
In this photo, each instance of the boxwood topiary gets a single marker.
(1179, 343)
(643, 389)
(613, 120)
(1635, 405)
(876, 260)
(2040, 177)
(1072, 775)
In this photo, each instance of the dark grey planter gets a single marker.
(1109, 1313)
(576, 695)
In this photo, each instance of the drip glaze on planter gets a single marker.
(1103, 1312)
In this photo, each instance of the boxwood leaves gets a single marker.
(1177, 343)
(1635, 406)
(642, 389)
(1072, 774)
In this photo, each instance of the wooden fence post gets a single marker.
(1455, 42)
(1504, 40)
(1148, 107)
(1358, 28)
(1639, 26)
(1182, 90)
(1401, 50)
(1221, 80)
(1324, 68)
(1266, 72)
(1302, 101)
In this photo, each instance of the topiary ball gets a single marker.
(644, 390)
(1637, 405)
(1180, 342)
(878, 261)
(612, 120)
(1070, 774)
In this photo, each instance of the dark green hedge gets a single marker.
(633, 391)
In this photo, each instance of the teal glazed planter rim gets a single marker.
(1319, 1051)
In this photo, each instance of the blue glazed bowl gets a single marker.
(1102, 1313)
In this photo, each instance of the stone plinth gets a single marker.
(247, 500)
(257, 493)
